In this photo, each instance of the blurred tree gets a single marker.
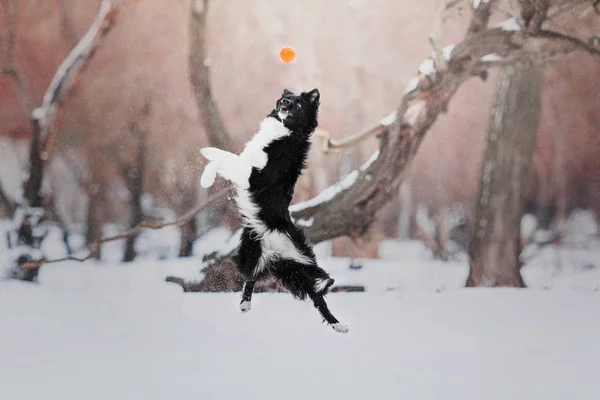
(42, 119)
(496, 243)
(218, 136)
(133, 174)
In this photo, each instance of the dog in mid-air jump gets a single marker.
(264, 175)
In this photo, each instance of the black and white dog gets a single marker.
(264, 175)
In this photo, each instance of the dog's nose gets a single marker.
(286, 103)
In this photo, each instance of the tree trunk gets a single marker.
(496, 245)
(134, 178)
(218, 136)
(189, 232)
(200, 77)
(94, 226)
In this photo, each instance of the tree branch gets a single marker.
(570, 41)
(481, 16)
(335, 146)
(154, 225)
(348, 208)
(68, 71)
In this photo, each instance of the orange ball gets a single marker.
(287, 55)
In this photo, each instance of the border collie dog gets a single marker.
(264, 175)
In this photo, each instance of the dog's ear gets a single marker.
(313, 96)
(287, 92)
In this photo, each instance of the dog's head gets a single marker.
(298, 112)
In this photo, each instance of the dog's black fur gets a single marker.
(272, 189)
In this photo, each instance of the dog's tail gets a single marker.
(209, 175)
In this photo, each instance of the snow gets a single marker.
(427, 67)
(491, 57)
(371, 160)
(413, 83)
(447, 51)
(328, 193)
(99, 331)
(509, 24)
(413, 112)
(476, 3)
(388, 120)
(305, 222)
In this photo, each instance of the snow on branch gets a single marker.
(346, 209)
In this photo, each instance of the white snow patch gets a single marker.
(529, 224)
(103, 329)
(327, 194)
(413, 83)
(509, 24)
(447, 51)
(389, 120)
(491, 57)
(305, 222)
(38, 113)
(477, 3)
(413, 112)
(371, 160)
(427, 67)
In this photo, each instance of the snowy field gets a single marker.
(110, 331)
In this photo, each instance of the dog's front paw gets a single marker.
(245, 306)
(209, 175)
(341, 328)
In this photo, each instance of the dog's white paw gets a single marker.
(214, 154)
(210, 153)
(209, 174)
(245, 306)
(341, 328)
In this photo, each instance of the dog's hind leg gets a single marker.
(308, 280)
(246, 303)
(250, 252)
(321, 305)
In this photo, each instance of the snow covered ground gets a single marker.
(110, 331)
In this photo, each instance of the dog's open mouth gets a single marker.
(283, 114)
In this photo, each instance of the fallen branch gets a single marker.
(95, 246)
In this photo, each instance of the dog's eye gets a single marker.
(298, 105)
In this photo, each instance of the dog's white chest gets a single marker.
(270, 130)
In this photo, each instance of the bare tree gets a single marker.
(134, 180)
(43, 120)
(496, 243)
(355, 205)
(350, 206)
